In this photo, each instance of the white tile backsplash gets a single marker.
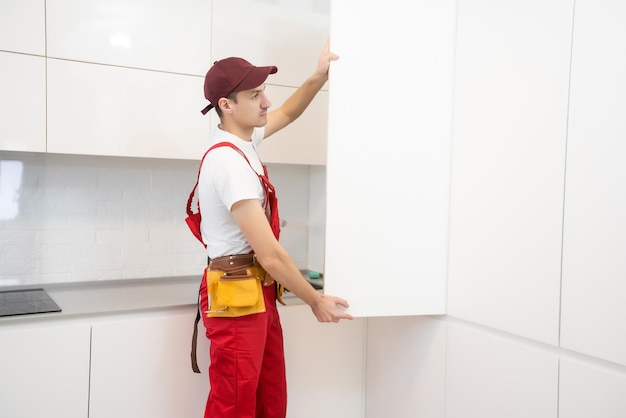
(86, 218)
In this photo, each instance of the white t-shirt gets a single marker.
(226, 178)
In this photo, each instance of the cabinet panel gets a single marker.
(22, 26)
(22, 102)
(490, 376)
(160, 35)
(590, 391)
(289, 35)
(508, 159)
(104, 110)
(45, 371)
(594, 266)
(388, 166)
(324, 365)
(302, 142)
(140, 367)
(406, 360)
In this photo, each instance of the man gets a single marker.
(239, 217)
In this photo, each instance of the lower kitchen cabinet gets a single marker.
(140, 366)
(137, 364)
(325, 365)
(44, 370)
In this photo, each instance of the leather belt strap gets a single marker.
(194, 340)
(236, 265)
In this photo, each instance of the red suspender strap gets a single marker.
(193, 219)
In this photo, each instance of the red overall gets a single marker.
(247, 370)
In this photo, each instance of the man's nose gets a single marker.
(266, 102)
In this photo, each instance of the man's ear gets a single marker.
(224, 104)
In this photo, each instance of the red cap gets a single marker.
(230, 75)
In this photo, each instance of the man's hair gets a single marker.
(232, 96)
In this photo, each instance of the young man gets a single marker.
(239, 218)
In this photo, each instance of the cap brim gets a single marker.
(256, 77)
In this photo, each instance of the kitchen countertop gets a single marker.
(125, 295)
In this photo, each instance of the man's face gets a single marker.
(251, 107)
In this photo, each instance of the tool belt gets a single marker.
(235, 286)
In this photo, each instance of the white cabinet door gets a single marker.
(23, 27)
(140, 367)
(491, 376)
(593, 311)
(508, 164)
(325, 365)
(173, 36)
(22, 102)
(406, 364)
(388, 160)
(44, 371)
(590, 390)
(104, 110)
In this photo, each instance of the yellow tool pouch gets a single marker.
(232, 295)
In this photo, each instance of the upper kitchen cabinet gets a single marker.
(104, 110)
(508, 164)
(289, 35)
(22, 26)
(22, 102)
(388, 159)
(302, 142)
(162, 35)
(594, 236)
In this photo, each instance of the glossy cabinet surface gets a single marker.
(22, 102)
(23, 26)
(103, 110)
(159, 35)
(594, 239)
(324, 365)
(587, 390)
(45, 371)
(125, 78)
(413, 383)
(508, 165)
(491, 376)
(388, 170)
(140, 366)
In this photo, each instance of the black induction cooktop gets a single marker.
(25, 302)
